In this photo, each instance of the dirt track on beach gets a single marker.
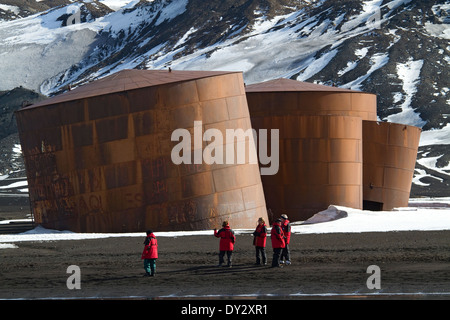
(409, 262)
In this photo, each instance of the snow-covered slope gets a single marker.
(398, 49)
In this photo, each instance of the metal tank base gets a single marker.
(389, 153)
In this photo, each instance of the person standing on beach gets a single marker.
(226, 244)
(150, 254)
(259, 241)
(277, 237)
(286, 227)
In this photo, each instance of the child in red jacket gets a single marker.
(150, 254)
(227, 239)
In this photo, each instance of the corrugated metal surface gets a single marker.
(320, 164)
(98, 158)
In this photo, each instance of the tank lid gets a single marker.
(125, 80)
(282, 84)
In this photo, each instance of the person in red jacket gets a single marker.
(150, 254)
(259, 241)
(276, 234)
(226, 244)
(285, 253)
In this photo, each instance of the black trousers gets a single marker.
(262, 251)
(285, 253)
(276, 257)
(222, 254)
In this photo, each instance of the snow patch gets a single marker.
(438, 30)
(377, 61)
(409, 74)
(431, 162)
(435, 137)
(8, 246)
(420, 174)
(13, 9)
(402, 219)
(357, 221)
(185, 37)
(350, 66)
(317, 65)
(172, 10)
(15, 185)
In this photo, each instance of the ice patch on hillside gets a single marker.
(435, 137)
(409, 74)
(377, 61)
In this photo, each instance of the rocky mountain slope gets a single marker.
(11, 162)
(397, 49)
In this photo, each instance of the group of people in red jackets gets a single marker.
(280, 236)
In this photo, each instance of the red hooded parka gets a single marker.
(150, 249)
(260, 236)
(276, 234)
(286, 226)
(227, 238)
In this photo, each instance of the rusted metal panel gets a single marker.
(313, 172)
(390, 152)
(98, 158)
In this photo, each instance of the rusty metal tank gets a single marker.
(389, 155)
(321, 153)
(332, 149)
(99, 157)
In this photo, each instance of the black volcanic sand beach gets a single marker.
(413, 263)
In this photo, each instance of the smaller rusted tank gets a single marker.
(389, 155)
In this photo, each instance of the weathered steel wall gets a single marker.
(320, 144)
(102, 163)
(390, 152)
(320, 164)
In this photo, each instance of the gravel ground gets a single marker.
(412, 265)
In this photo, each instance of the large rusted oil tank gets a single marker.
(320, 145)
(389, 155)
(99, 157)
